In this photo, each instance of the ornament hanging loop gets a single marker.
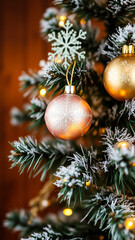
(70, 83)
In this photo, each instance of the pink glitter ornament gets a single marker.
(68, 116)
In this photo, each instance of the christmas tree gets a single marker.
(82, 107)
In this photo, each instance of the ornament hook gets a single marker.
(70, 83)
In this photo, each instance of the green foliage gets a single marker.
(19, 116)
(103, 10)
(108, 211)
(38, 158)
(36, 111)
(121, 171)
(72, 178)
(55, 78)
(32, 113)
(30, 81)
(18, 221)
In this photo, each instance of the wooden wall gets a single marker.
(21, 48)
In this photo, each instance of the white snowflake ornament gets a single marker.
(66, 44)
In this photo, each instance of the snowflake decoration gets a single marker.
(66, 44)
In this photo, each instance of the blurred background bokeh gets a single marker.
(21, 48)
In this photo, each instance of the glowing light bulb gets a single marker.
(133, 164)
(45, 203)
(61, 23)
(87, 183)
(101, 237)
(123, 144)
(101, 130)
(94, 133)
(130, 223)
(82, 21)
(42, 92)
(68, 212)
(58, 60)
(62, 20)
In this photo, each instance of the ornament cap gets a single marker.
(69, 89)
(131, 49)
(125, 49)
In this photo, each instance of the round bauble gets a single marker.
(119, 77)
(68, 116)
(123, 144)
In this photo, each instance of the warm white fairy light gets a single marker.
(62, 20)
(68, 212)
(42, 92)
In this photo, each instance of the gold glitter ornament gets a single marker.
(119, 75)
(123, 144)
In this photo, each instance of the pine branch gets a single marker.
(31, 81)
(37, 112)
(119, 11)
(72, 179)
(39, 158)
(18, 221)
(113, 46)
(55, 77)
(32, 113)
(119, 165)
(47, 234)
(19, 116)
(49, 21)
(66, 231)
(109, 212)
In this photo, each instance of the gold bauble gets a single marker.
(123, 144)
(130, 223)
(119, 76)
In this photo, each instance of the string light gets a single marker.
(130, 223)
(62, 20)
(58, 60)
(123, 144)
(101, 237)
(94, 133)
(87, 183)
(42, 92)
(45, 203)
(68, 212)
(101, 130)
(82, 21)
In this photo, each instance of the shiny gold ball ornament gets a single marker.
(123, 144)
(68, 116)
(119, 75)
(130, 223)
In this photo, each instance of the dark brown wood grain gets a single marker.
(21, 48)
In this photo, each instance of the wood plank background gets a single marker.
(21, 48)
